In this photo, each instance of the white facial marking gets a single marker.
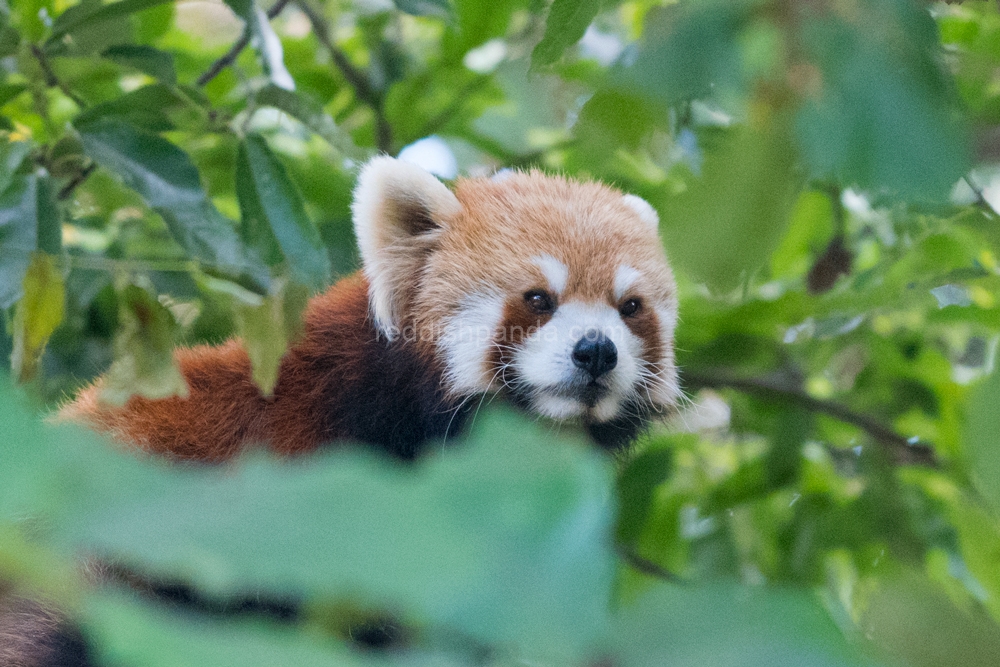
(555, 272)
(467, 341)
(558, 407)
(625, 278)
(642, 208)
(666, 390)
(545, 363)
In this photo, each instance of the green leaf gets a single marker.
(150, 107)
(18, 235)
(979, 540)
(440, 8)
(157, 64)
(565, 25)
(274, 215)
(12, 154)
(37, 314)
(983, 438)
(165, 178)
(312, 116)
(504, 539)
(144, 362)
(705, 37)
(9, 91)
(242, 8)
(49, 218)
(808, 232)
(637, 486)
(724, 625)
(880, 92)
(728, 222)
(914, 621)
(129, 632)
(90, 13)
(269, 328)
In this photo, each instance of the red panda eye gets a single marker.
(630, 307)
(539, 302)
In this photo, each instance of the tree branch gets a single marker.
(358, 80)
(75, 182)
(646, 566)
(900, 447)
(234, 52)
(51, 80)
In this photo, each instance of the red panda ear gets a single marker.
(399, 210)
(643, 209)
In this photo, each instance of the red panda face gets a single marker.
(553, 292)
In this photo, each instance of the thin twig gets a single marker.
(75, 182)
(358, 80)
(902, 449)
(51, 80)
(980, 201)
(92, 263)
(234, 52)
(647, 567)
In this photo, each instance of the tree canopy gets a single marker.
(826, 175)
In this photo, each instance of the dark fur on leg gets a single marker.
(32, 635)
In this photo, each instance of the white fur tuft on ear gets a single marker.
(398, 211)
(642, 208)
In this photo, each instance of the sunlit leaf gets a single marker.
(144, 362)
(9, 91)
(37, 314)
(269, 328)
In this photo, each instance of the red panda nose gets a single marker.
(596, 354)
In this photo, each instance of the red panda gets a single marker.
(552, 292)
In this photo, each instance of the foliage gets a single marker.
(825, 173)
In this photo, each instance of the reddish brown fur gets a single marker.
(225, 410)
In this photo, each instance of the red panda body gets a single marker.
(341, 382)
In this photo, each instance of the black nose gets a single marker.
(596, 354)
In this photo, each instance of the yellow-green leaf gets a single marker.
(37, 314)
(144, 362)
